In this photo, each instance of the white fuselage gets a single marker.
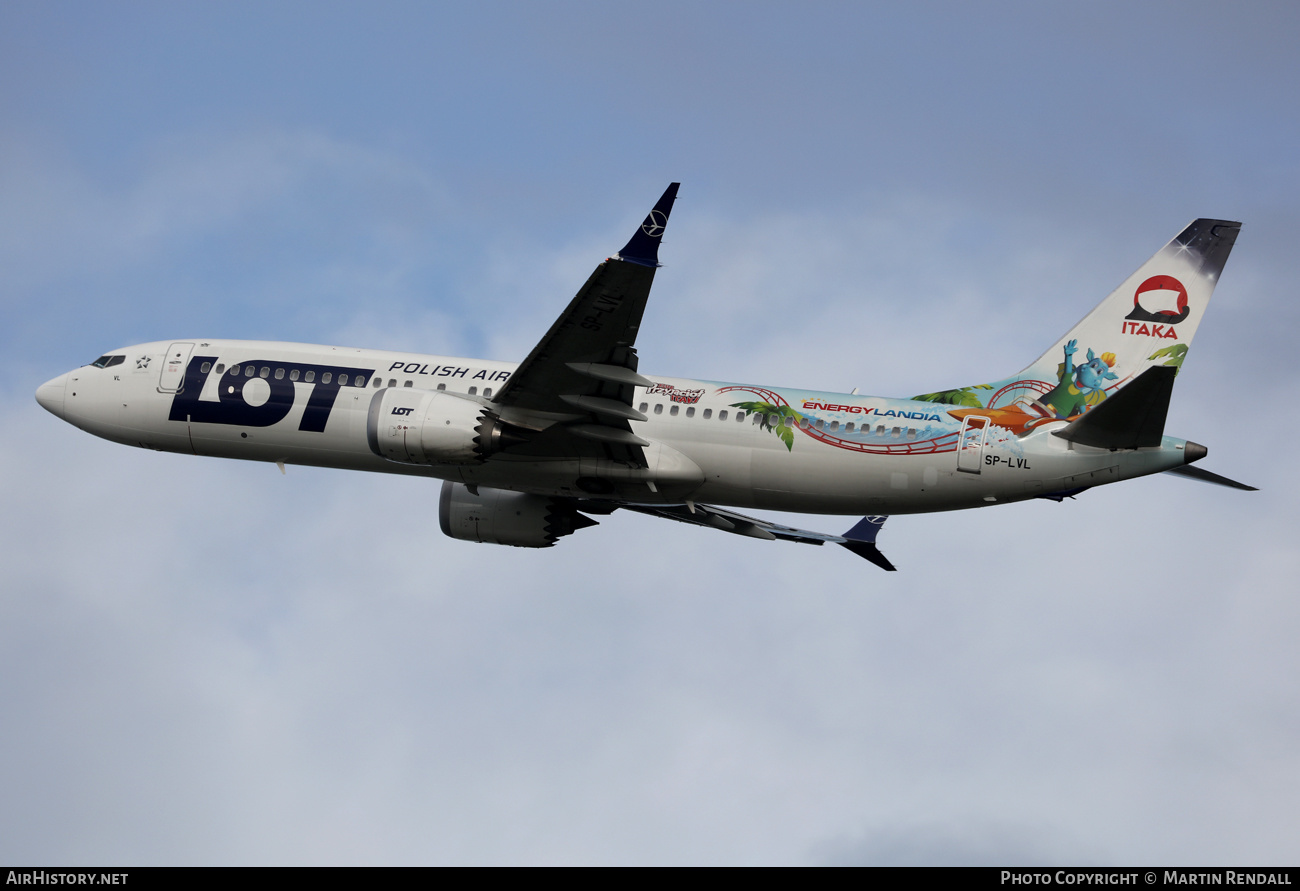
(829, 453)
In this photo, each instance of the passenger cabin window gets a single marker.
(835, 425)
(309, 376)
(645, 407)
(894, 433)
(343, 380)
(740, 417)
(708, 413)
(293, 374)
(722, 415)
(673, 411)
(880, 429)
(789, 422)
(392, 382)
(205, 367)
(440, 386)
(849, 427)
(249, 371)
(487, 393)
(821, 425)
(379, 382)
(361, 381)
(265, 372)
(690, 412)
(473, 391)
(327, 377)
(804, 422)
(221, 366)
(659, 408)
(911, 433)
(234, 370)
(279, 374)
(408, 384)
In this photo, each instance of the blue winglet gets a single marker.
(644, 246)
(861, 540)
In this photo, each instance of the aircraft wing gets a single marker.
(861, 539)
(585, 367)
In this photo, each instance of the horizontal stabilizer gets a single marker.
(1206, 476)
(861, 540)
(1133, 418)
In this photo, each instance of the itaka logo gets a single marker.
(1164, 292)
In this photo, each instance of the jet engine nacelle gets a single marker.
(498, 516)
(435, 427)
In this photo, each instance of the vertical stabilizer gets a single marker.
(1157, 309)
(1147, 321)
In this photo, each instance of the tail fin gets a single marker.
(1154, 314)
(1147, 321)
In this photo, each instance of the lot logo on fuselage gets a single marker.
(231, 407)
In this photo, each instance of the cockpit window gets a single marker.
(108, 361)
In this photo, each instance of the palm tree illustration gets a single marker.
(961, 396)
(765, 411)
(1175, 354)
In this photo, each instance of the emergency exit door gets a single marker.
(172, 376)
(970, 443)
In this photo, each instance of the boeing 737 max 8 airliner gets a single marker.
(528, 452)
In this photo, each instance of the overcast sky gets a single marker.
(203, 661)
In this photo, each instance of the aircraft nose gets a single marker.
(50, 395)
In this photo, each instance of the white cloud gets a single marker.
(206, 661)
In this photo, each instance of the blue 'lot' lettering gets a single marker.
(231, 408)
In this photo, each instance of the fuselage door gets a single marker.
(173, 367)
(970, 443)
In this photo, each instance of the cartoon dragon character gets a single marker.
(1080, 387)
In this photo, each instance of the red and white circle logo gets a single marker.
(1161, 298)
